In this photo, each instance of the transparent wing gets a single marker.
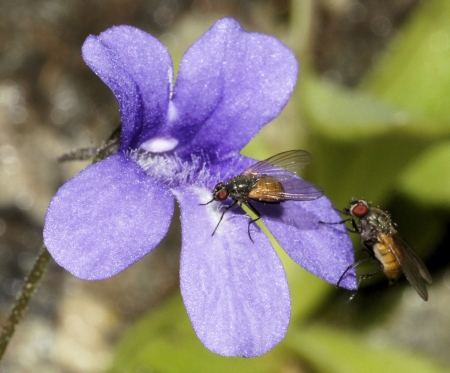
(282, 169)
(293, 188)
(412, 266)
(283, 164)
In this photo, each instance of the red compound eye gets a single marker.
(359, 210)
(222, 195)
(220, 192)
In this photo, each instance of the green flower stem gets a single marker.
(20, 305)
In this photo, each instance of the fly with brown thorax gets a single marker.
(384, 244)
(273, 180)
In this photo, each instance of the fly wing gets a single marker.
(290, 162)
(412, 266)
(283, 169)
(268, 189)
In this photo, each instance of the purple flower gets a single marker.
(180, 141)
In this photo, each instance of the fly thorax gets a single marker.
(384, 223)
(379, 221)
(367, 228)
(239, 187)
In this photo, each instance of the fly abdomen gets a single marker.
(267, 189)
(390, 264)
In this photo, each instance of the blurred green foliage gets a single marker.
(386, 138)
(165, 342)
(426, 179)
(359, 143)
(329, 350)
(414, 74)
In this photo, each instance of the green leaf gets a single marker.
(427, 179)
(360, 145)
(164, 342)
(414, 74)
(344, 114)
(333, 351)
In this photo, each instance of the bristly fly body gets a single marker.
(384, 244)
(273, 180)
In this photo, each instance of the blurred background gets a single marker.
(372, 105)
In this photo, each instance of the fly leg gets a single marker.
(353, 265)
(353, 229)
(258, 216)
(207, 203)
(360, 278)
(228, 208)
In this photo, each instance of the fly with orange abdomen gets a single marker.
(273, 180)
(384, 244)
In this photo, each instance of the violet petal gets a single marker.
(230, 83)
(138, 69)
(106, 218)
(323, 249)
(235, 291)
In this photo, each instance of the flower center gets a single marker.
(171, 169)
(159, 144)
